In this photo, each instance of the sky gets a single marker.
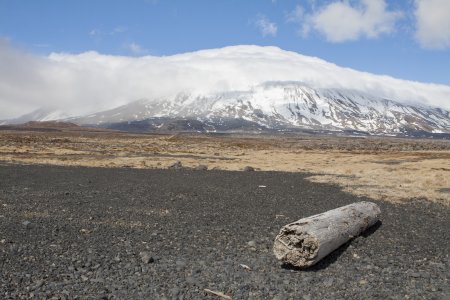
(406, 39)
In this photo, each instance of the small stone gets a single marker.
(146, 257)
(251, 244)
(415, 275)
(175, 291)
(201, 168)
(180, 263)
(249, 169)
(437, 265)
(363, 282)
(38, 284)
(328, 282)
(245, 267)
(27, 224)
(84, 278)
(176, 166)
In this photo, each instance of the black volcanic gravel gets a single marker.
(91, 233)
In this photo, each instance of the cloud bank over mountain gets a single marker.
(89, 82)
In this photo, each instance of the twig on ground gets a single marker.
(245, 267)
(219, 294)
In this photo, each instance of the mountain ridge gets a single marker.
(264, 87)
(281, 106)
(94, 82)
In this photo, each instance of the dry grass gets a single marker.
(381, 168)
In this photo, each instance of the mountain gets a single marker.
(240, 88)
(275, 106)
(41, 115)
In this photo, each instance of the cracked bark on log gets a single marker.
(305, 242)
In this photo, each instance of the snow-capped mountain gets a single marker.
(41, 115)
(281, 106)
(221, 89)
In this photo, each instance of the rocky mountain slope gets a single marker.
(41, 115)
(242, 87)
(276, 106)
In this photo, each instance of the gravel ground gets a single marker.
(91, 233)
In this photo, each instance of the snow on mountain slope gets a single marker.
(42, 115)
(264, 85)
(85, 83)
(281, 105)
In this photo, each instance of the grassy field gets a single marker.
(390, 169)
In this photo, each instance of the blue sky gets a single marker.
(157, 27)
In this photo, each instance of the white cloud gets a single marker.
(95, 32)
(116, 30)
(342, 21)
(265, 26)
(296, 15)
(135, 48)
(433, 23)
(88, 82)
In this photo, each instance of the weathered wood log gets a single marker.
(306, 241)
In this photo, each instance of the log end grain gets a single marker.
(299, 250)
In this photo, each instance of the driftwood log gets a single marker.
(306, 241)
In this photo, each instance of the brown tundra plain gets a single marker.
(390, 169)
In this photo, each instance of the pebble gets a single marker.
(251, 244)
(204, 239)
(201, 168)
(146, 257)
(307, 279)
(176, 166)
(328, 282)
(180, 263)
(38, 284)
